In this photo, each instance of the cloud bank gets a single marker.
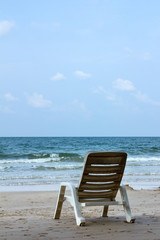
(127, 86)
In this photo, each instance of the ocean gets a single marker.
(41, 163)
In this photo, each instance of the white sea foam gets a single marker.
(4, 168)
(53, 157)
(143, 159)
(142, 174)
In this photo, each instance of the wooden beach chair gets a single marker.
(99, 184)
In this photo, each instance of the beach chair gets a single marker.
(101, 177)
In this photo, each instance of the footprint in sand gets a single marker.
(43, 234)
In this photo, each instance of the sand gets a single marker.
(29, 215)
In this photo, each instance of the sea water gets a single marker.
(41, 163)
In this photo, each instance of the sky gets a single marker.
(79, 68)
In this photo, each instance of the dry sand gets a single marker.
(28, 215)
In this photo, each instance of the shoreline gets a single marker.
(55, 187)
(29, 215)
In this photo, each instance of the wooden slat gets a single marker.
(103, 170)
(87, 186)
(103, 160)
(92, 178)
(95, 194)
(92, 200)
(107, 154)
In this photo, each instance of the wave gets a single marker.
(143, 159)
(26, 161)
(59, 167)
(143, 164)
(18, 180)
(63, 157)
(4, 168)
(27, 177)
(39, 157)
(142, 174)
(14, 156)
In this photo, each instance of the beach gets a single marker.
(29, 215)
(32, 169)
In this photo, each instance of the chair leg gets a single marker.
(60, 201)
(77, 207)
(127, 209)
(105, 211)
(73, 200)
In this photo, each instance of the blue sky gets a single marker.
(79, 68)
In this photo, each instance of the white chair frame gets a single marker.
(73, 200)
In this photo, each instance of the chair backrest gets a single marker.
(101, 176)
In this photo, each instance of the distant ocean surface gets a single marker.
(41, 163)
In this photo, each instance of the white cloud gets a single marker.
(5, 27)
(6, 109)
(145, 98)
(58, 76)
(108, 94)
(147, 56)
(81, 74)
(10, 97)
(80, 105)
(123, 85)
(38, 101)
(111, 96)
(128, 50)
(126, 85)
(141, 96)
